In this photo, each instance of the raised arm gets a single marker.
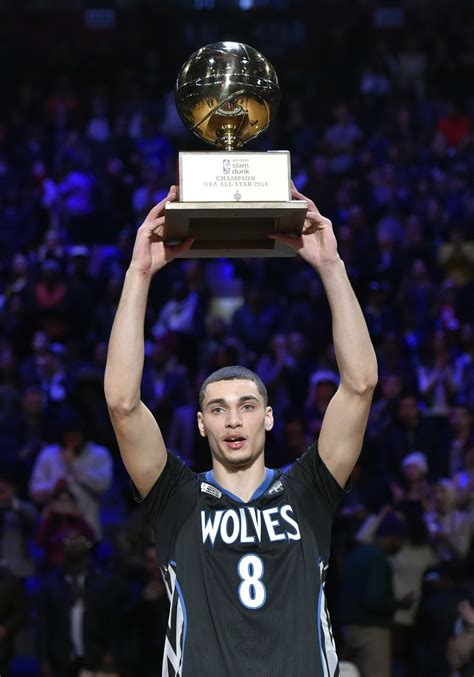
(139, 438)
(345, 420)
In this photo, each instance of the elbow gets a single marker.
(363, 387)
(120, 406)
(370, 379)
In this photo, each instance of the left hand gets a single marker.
(466, 611)
(68, 455)
(317, 243)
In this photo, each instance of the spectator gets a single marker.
(82, 466)
(450, 529)
(13, 615)
(52, 247)
(341, 140)
(31, 427)
(80, 617)
(81, 292)
(456, 256)
(76, 191)
(383, 411)
(51, 301)
(436, 376)
(147, 618)
(464, 367)
(323, 385)
(272, 370)
(256, 321)
(368, 602)
(461, 644)
(179, 314)
(416, 296)
(18, 518)
(60, 517)
(443, 590)
(464, 482)
(409, 565)
(454, 127)
(411, 430)
(411, 68)
(33, 363)
(414, 484)
(461, 437)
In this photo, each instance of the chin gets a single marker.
(245, 459)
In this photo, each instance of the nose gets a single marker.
(233, 419)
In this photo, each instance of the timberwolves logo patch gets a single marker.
(209, 489)
(275, 488)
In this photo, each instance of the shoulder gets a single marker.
(49, 452)
(97, 450)
(311, 467)
(175, 474)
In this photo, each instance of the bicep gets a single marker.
(141, 445)
(342, 432)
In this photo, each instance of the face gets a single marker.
(391, 386)
(73, 438)
(6, 492)
(234, 418)
(20, 264)
(408, 410)
(413, 472)
(393, 545)
(442, 498)
(460, 418)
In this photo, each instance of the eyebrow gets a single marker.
(220, 400)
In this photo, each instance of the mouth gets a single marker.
(235, 441)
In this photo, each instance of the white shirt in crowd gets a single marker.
(88, 478)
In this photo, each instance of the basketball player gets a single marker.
(243, 549)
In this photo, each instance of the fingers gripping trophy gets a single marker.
(231, 200)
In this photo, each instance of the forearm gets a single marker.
(354, 350)
(125, 357)
(96, 477)
(460, 649)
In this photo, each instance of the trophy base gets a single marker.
(229, 229)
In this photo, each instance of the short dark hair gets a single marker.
(233, 373)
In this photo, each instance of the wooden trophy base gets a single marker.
(234, 230)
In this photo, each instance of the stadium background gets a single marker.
(377, 111)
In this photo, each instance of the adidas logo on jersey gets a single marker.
(275, 488)
(209, 489)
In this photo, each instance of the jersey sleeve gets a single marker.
(311, 470)
(168, 504)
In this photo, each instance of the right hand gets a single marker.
(466, 611)
(150, 253)
(407, 600)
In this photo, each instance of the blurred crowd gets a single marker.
(81, 164)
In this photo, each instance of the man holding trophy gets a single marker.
(243, 549)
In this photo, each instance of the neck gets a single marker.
(243, 482)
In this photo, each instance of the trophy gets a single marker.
(227, 93)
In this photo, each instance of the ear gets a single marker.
(201, 426)
(268, 419)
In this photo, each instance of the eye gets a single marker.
(217, 410)
(248, 407)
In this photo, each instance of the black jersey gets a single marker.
(246, 580)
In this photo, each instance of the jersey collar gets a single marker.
(269, 473)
